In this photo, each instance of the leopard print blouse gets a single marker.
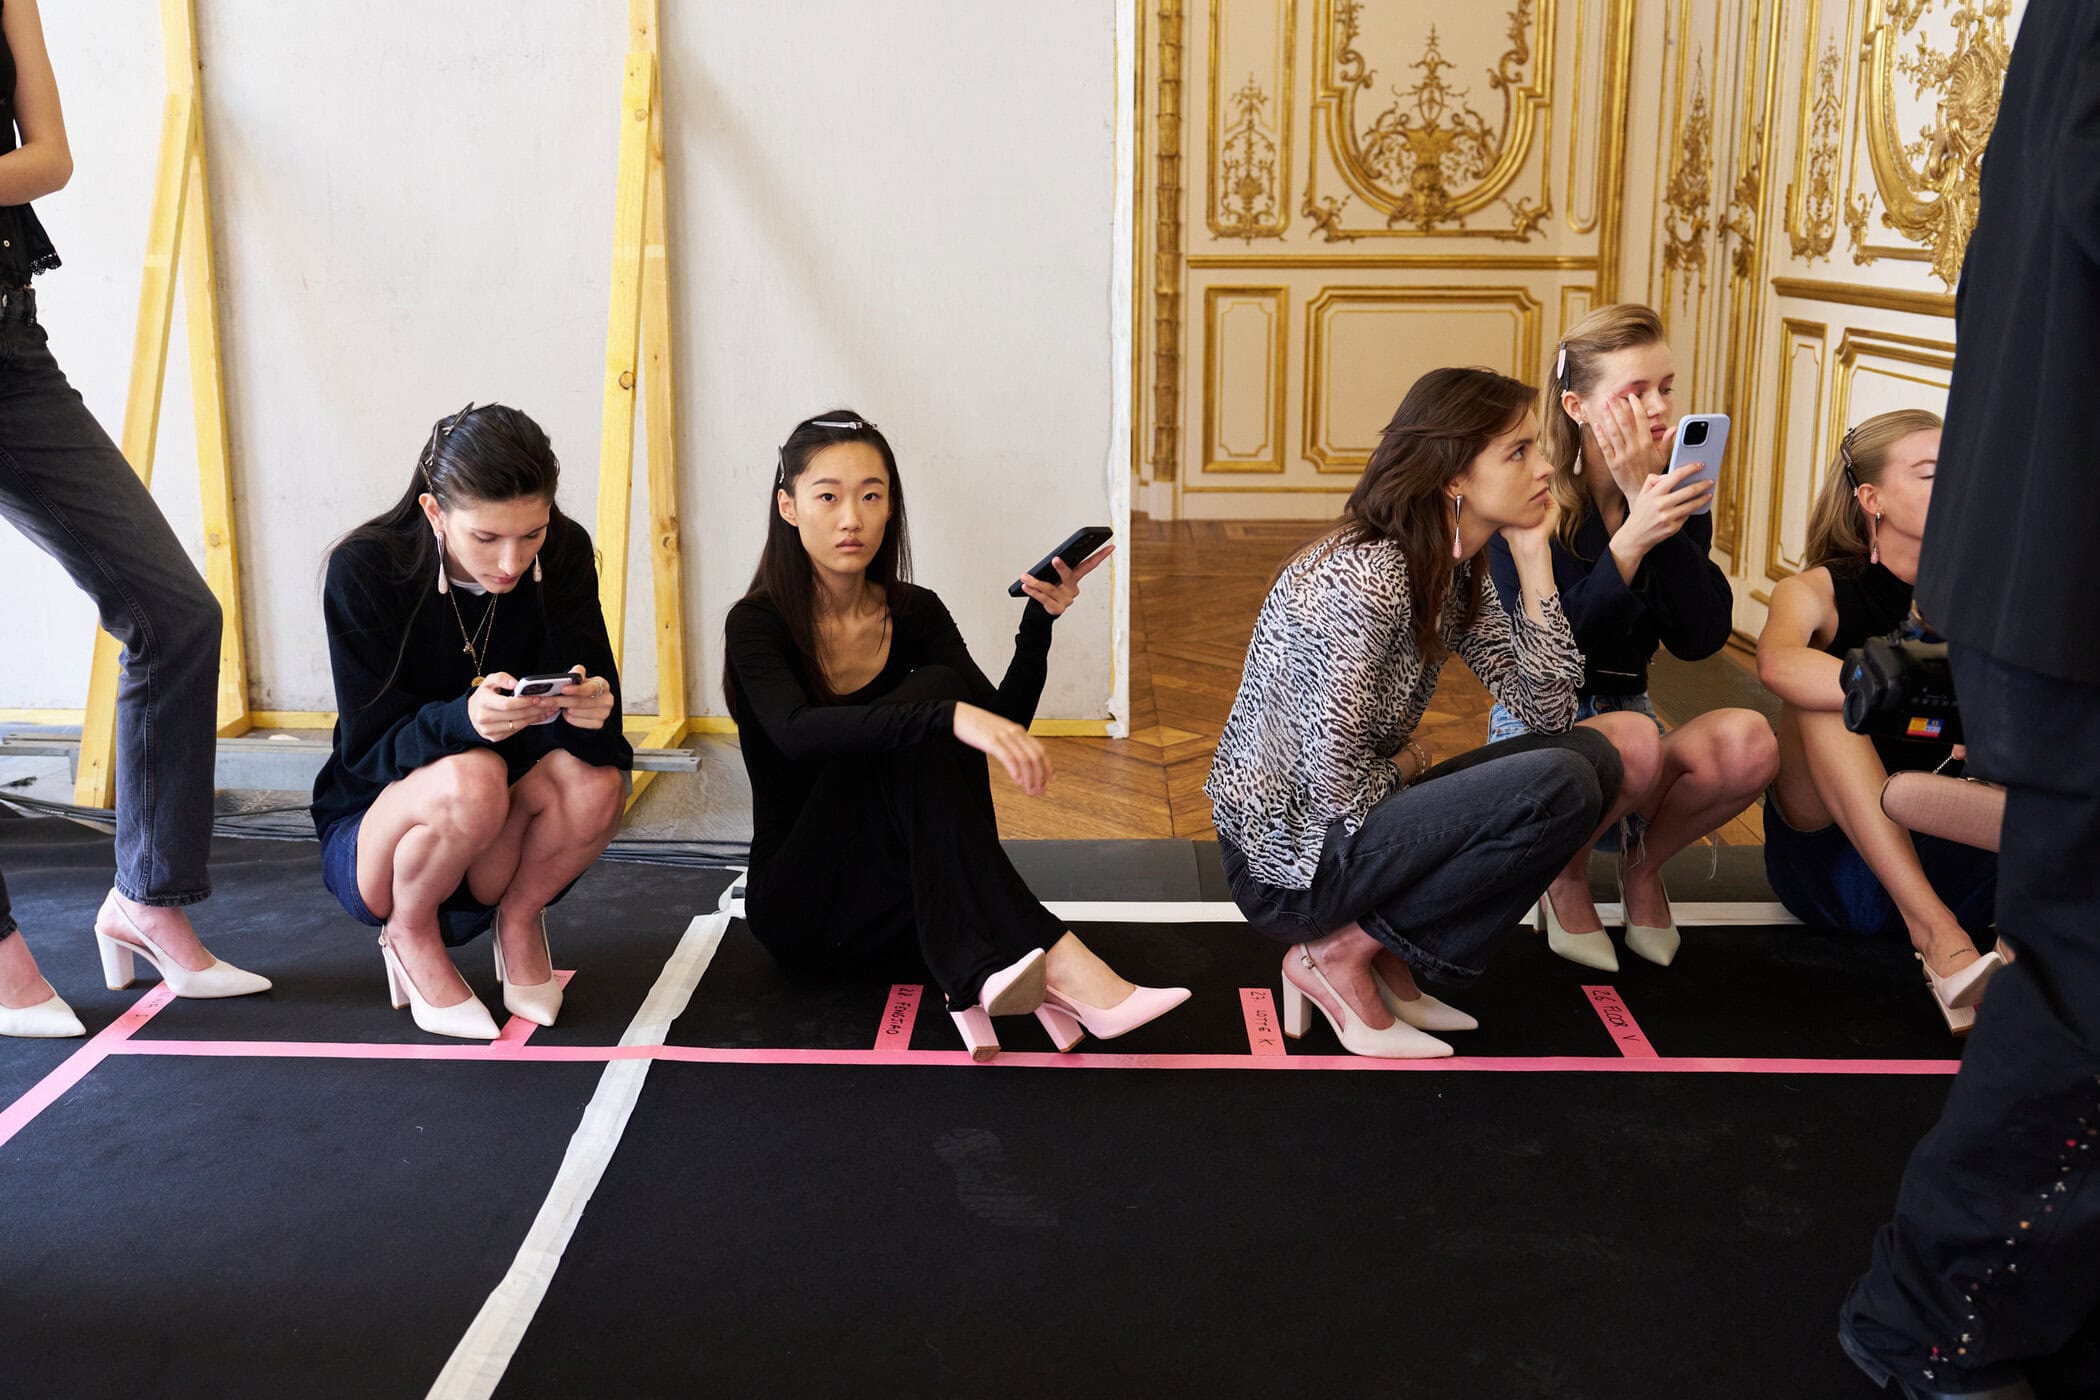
(1334, 686)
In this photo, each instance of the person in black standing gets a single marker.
(864, 726)
(64, 485)
(1986, 1281)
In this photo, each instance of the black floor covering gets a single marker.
(180, 1226)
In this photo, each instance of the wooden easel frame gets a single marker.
(638, 344)
(178, 239)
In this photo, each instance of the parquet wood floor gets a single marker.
(1196, 587)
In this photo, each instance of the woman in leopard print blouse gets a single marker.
(1339, 836)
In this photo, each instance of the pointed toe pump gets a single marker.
(537, 1002)
(120, 940)
(466, 1020)
(1657, 945)
(1017, 989)
(1399, 1041)
(1592, 949)
(1425, 1012)
(49, 1019)
(1070, 1020)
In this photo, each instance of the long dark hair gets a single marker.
(786, 578)
(1447, 419)
(492, 453)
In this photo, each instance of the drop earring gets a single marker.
(1874, 556)
(1458, 550)
(1578, 462)
(536, 575)
(444, 583)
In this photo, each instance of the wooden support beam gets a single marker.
(622, 339)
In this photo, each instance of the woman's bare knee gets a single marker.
(1640, 750)
(468, 795)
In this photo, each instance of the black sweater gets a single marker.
(787, 734)
(403, 704)
(1679, 598)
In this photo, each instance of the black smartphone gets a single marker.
(1074, 551)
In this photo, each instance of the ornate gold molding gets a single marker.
(1166, 249)
(1929, 187)
(1880, 298)
(1743, 205)
(1274, 302)
(1530, 262)
(1429, 160)
(1689, 195)
(1796, 338)
(1249, 133)
(1811, 200)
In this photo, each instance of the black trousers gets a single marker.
(901, 846)
(1991, 1266)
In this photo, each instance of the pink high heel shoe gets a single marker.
(1064, 1016)
(1014, 990)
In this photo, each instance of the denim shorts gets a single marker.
(1825, 882)
(1502, 724)
(461, 917)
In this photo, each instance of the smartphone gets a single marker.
(546, 683)
(1700, 438)
(1074, 551)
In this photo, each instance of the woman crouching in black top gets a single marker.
(450, 805)
(863, 724)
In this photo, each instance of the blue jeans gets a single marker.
(1503, 724)
(64, 485)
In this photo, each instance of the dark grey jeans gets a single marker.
(64, 485)
(1440, 870)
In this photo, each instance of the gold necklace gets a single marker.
(476, 646)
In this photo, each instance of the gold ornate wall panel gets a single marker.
(1798, 438)
(1371, 190)
(1244, 340)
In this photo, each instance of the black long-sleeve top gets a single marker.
(401, 701)
(1679, 599)
(787, 733)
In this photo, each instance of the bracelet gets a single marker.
(1421, 756)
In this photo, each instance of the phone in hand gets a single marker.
(1074, 551)
(1700, 440)
(546, 683)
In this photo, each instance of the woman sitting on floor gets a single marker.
(1630, 557)
(450, 804)
(863, 723)
(1832, 855)
(1338, 835)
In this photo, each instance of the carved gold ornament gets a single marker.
(1689, 195)
(1246, 176)
(1742, 205)
(1428, 158)
(1929, 187)
(1166, 248)
(1814, 203)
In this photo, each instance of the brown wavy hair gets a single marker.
(1837, 525)
(1448, 418)
(1619, 327)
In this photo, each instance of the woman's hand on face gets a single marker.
(1632, 451)
(496, 716)
(1659, 508)
(1056, 597)
(1020, 753)
(1534, 542)
(588, 703)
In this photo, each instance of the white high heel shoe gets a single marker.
(1425, 1012)
(1592, 949)
(1399, 1041)
(466, 1020)
(49, 1019)
(1657, 945)
(221, 979)
(537, 1002)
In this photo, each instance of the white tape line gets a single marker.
(477, 1364)
(1146, 911)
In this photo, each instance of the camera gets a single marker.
(1901, 686)
(1695, 432)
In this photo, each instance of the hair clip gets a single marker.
(457, 419)
(852, 424)
(1560, 367)
(1845, 457)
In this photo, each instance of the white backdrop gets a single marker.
(918, 209)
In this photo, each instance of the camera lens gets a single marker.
(1694, 433)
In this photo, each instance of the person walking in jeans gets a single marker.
(64, 485)
(1338, 834)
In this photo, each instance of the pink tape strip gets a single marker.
(897, 1018)
(517, 1030)
(1619, 1021)
(1264, 1031)
(75, 1067)
(704, 1054)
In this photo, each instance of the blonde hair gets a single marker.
(1618, 327)
(1837, 525)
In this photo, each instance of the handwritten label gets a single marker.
(898, 1016)
(1625, 1032)
(1264, 1030)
